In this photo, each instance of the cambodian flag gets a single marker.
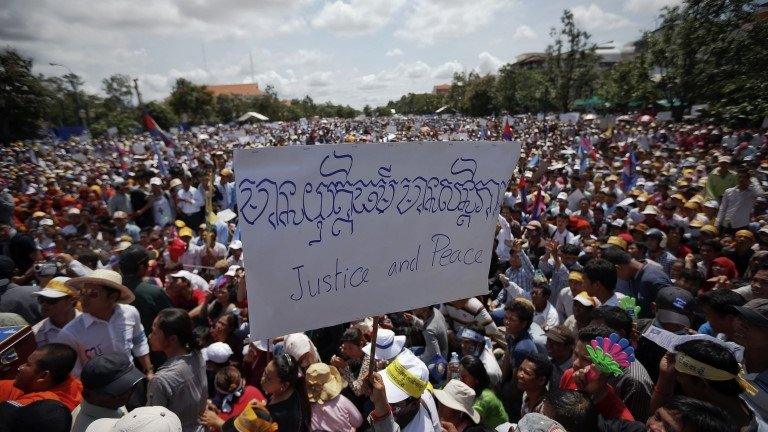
(156, 130)
(506, 135)
(537, 206)
(629, 173)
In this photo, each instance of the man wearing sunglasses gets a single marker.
(57, 304)
(108, 323)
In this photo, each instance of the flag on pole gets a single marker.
(156, 130)
(538, 205)
(629, 172)
(160, 161)
(522, 188)
(506, 135)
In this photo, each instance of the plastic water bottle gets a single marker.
(454, 365)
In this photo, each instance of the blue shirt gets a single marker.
(519, 347)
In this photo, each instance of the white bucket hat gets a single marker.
(388, 346)
(459, 397)
(407, 376)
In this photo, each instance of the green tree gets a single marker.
(191, 101)
(520, 90)
(571, 65)
(713, 51)
(23, 97)
(162, 114)
(455, 96)
(118, 90)
(478, 99)
(628, 84)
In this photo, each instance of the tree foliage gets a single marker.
(713, 51)
(23, 98)
(192, 103)
(571, 64)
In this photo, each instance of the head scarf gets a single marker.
(730, 267)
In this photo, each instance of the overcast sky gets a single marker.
(354, 52)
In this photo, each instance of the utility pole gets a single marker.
(138, 94)
(205, 61)
(253, 80)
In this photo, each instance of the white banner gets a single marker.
(340, 232)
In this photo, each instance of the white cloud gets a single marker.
(418, 69)
(394, 52)
(433, 20)
(370, 82)
(355, 17)
(488, 63)
(447, 69)
(319, 79)
(593, 18)
(650, 6)
(523, 33)
(304, 57)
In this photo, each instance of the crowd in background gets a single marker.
(124, 255)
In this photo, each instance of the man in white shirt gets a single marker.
(191, 202)
(544, 314)
(57, 305)
(108, 323)
(738, 203)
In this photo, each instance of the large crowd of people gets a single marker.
(628, 289)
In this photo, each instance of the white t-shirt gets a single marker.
(92, 337)
(547, 318)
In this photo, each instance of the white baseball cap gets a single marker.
(46, 222)
(155, 181)
(237, 244)
(232, 271)
(142, 419)
(217, 352)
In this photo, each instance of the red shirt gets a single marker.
(249, 393)
(69, 393)
(198, 298)
(610, 407)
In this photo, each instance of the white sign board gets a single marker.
(664, 116)
(336, 233)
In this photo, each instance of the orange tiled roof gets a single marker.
(234, 89)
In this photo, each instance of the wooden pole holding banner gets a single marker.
(372, 359)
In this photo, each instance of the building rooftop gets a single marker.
(234, 89)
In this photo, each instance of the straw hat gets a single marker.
(106, 278)
(324, 383)
(459, 397)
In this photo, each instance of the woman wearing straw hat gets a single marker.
(455, 408)
(331, 411)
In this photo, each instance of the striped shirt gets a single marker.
(522, 276)
(666, 259)
(472, 313)
(635, 388)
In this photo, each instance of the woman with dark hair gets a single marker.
(489, 406)
(179, 383)
(288, 400)
(225, 330)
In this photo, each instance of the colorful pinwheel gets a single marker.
(611, 355)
